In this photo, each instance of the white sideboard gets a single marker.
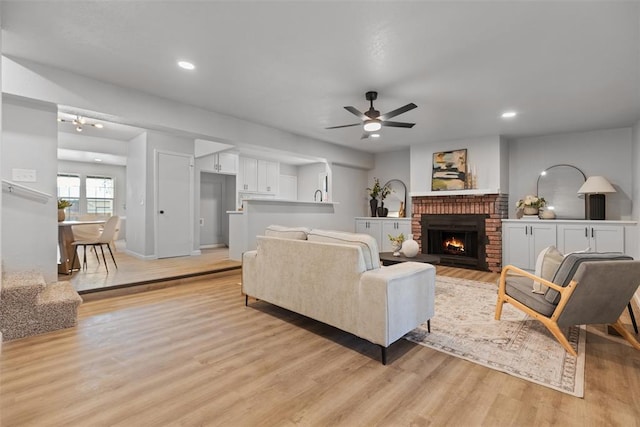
(381, 228)
(522, 240)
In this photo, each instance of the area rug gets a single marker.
(464, 326)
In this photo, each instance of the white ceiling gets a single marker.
(564, 66)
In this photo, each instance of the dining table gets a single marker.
(65, 244)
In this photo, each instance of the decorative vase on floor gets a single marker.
(373, 203)
(530, 210)
(61, 215)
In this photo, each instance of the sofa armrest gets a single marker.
(404, 293)
(249, 271)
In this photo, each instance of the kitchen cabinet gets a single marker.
(522, 242)
(268, 176)
(381, 228)
(258, 176)
(223, 163)
(594, 236)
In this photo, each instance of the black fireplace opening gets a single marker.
(459, 240)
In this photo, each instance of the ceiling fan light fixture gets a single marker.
(79, 128)
(372, 125)
(375, 135)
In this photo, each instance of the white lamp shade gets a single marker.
(372, 125)
(596, 185)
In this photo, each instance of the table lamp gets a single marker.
(596, 187)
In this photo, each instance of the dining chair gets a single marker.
(106, 236)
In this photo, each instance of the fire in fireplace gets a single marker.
(457, 239)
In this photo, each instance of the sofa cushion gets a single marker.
(367, 243)
(547, 264)
(295, 233)
(570, 265)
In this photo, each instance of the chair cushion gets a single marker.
(519, 288)
(367, 243)
(547, 264)
(295, 233)
(570, 265)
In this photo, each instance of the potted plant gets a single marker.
(373, 193)
(531, 205)
(384, 192)
(62, 205)
(396, 243)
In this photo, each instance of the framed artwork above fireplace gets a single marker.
(449, 170)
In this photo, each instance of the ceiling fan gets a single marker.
(79, 122)
(372, 120)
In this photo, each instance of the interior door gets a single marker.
(174, 218)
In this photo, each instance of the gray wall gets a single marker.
(602, 152)
(30, 228)
(390, 165)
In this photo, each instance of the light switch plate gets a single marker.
(23, 175)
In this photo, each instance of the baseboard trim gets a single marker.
(137, 255)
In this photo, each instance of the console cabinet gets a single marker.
(381, 228)
(523, 240)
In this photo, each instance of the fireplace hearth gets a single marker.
(459, 240)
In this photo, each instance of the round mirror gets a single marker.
(559, 185)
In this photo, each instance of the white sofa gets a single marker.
(336, 278)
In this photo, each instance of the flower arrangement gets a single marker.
(531, 201)
(378, 190)
(62, 203)
(396, 240)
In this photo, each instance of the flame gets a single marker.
(453, 246)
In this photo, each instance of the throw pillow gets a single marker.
(295, 233)
(547, 264)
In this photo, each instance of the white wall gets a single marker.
(483, 154)
(286, 169)
(635, 178)
(390, 165)
(30, 228)
(349, 185)
(118, 173)
(37, 81)
(136, 196)
(309, 182)
(602, 152)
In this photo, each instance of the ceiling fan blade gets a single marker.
(344, 126)
(365, 135)
(398, 111)
(397, 124)
(357, 113)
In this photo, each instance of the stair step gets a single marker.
(21, 288)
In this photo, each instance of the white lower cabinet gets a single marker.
(592, 236)
(381, 228)
(523, 240)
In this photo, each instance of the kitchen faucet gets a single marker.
(315, 194)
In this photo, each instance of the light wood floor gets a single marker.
(194, 355)
(132, 270)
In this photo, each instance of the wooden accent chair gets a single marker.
(587, 288)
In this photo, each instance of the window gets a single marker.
(99, 192)
(69, 189)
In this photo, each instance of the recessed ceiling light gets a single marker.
(98, 125)
(97, 160)
(186, 65)
(509, 114)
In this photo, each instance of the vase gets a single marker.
(396, 246)
(382, 211)
(410, 248)
(61, 215)
(373, 203)
(530, 210)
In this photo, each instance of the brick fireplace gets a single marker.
(494, 207)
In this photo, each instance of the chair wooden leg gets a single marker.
(555, 330)
(84, 257)
(73, 262)
(618, 326)
(499, 308)
(633, 318)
